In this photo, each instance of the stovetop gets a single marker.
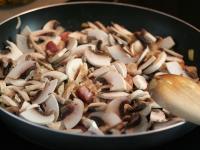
(186, 10)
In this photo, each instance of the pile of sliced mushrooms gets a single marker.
(92, 81)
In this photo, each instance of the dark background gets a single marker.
(186, 10)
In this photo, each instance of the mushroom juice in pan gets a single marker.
(92, 81)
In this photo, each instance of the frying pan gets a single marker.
(71, 15)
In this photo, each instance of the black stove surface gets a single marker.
(186, 10)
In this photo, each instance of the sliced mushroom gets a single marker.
(26, 106)
(21, 42)
(109, 118)
(116, 80)
(136, 47)
(148, 37)
(56, 125)
(121, 68)
(173, 53)
(80, 50)
(7, 101)
(157, 64)
(55, 75)
(113, 95)
(157, 116)
(92, 126)
(72, 43)
(73, 113)
(83, 71)
(114, 105)
(37, 117)
(44, 94)
(53, 25)
(96, 59)
(111, 40)
(73, 67)
(22, 93)
(147, 63)
(139, 94)
(140, 82)
(101, 71)
(17, 82)
(174, 68)
(16, 72)
(14, 53)
(58, 56)
(81, 37)
(167, 42)
(143, 55)
(51, 106)
(117, 53)
(98, 35)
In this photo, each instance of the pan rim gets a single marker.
(106, 3)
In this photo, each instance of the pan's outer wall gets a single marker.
(71, 16)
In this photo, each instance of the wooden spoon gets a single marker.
(177, 94)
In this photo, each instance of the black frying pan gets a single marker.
(71, 15)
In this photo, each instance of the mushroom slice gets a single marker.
(147, 63)
(17, 82)
(80, 50)
(14, 53)
(98, 35)
(56, 125)
(167, 42)
(174, 68)
(159, 125)
(73, 67)
(20, 69)
(116, 80)
(97, 60)
(72, 43)
(157, 116)
(114, 105)
(113, 95)
(136, 47)
(92, 126)
(109, 118)
(156, 64)
(26, 105)
(53, 25)
(143, 55)
(81, 37)
(48, 89)
(139, 94)
(99, 106)
(58, 56)
(35, 116)
(100, 71)
(73, 113)
(83, 71)
(51, 105)
(117, 53)
(121, 68)
(55, 75)
(122, 30)
(7, 101)
(148, 37)
(140, 82)
(141, 127)
(21, 42)
(173, 53)
(22, 93)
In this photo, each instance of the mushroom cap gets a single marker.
(109, 118)
(51, 105)
(72, 68)
(116, 80)
(36, 117)
(48, 89)
(96, 59)
(73, 118)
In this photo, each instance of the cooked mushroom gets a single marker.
(136, 47)
(22, 43)
(96, 59)
(99, 106)
(101, 71)
(156, 64)
(117, 53)
(157, 116)
(147, 63)
(80, 50)
(115, 80)
(145, 52)
(121, 68)
(139, 94)
(113, 95)
(44, 94)
(22, 93)
(73, 113)
(109, 118)
(7, 101)
(53, 25)
(37, 117)
(51, 106)
(174, 68)
(167, 42)
(140, 82)
(55, 75)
